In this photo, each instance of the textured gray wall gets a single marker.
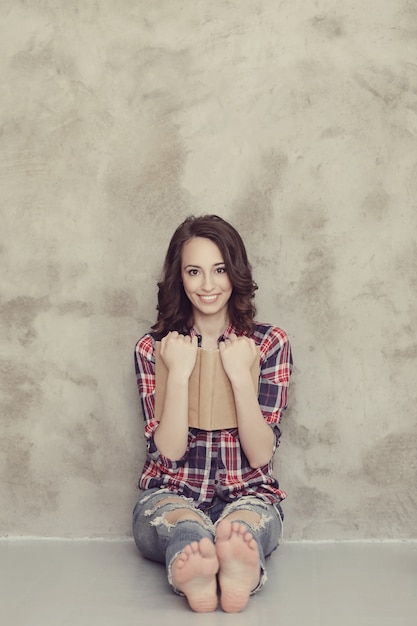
(295, 120)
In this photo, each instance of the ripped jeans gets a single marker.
(160, 541)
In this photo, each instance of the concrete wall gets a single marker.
(295, 120)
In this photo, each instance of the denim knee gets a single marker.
(154, 534)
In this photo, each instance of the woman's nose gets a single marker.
(208, 283)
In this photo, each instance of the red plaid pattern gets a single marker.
(214, 463)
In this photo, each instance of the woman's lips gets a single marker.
(209, 299)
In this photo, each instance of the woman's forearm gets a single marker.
(256, 437)
(171, 436)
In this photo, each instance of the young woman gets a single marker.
(210, 504)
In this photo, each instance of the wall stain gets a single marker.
(305, 438)
(313, 291)
(87, 442)
(328, 435)
(376, 516)
(36, 497)
(307, 221)
(392, 461)
(16, 450)
(377, 205)
(376, 289)
(405, 263)
(258, 199)
(310, 501)
(20, 313)
(315, 287)
(80, 381)
(146, 181)
(20, 391)
(401, 355)
(85, 309)
(120, 303)
(298, 434)
(383, 84)
(84, 381)
(330, 27)
(46, 60)
(332, 131)
(82, 449)
(53, 274)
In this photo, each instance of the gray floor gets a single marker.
(103, 583)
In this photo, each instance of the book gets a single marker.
(211, 404)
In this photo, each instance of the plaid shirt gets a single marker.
(214, 463)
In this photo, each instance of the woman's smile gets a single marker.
(209, 299)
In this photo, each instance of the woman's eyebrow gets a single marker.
(198, 266)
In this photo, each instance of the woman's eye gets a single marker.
(192, 272)
(221, 270)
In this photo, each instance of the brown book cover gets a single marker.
(211, 404)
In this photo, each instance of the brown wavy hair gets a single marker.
(174, 308)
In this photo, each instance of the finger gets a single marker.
(165, 339)
(253, 345)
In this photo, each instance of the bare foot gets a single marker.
(239, 571)
(194, 573)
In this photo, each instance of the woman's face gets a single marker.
(204, 277)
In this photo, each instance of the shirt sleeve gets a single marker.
(145, 377)
(275, 372)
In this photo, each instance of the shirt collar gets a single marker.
(229, 330)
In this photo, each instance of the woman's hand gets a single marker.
(179, 353)
(238, 355)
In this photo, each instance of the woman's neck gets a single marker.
(210, 330)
